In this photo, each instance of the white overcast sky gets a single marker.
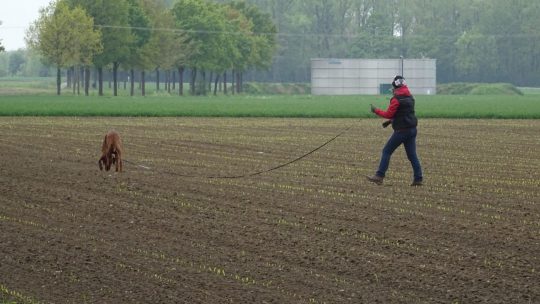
(16, 17)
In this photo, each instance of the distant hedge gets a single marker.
(263, 88)
(456, 88)
(465, 88)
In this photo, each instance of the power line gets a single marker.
(523, 35)
(294, 35)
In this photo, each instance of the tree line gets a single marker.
(472, 40)
(203, 37)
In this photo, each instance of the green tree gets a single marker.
(477, 57)
(204, 25)
(376, 38)
(112, 18)
(63, 37)
(167, 46)
(512, 26)
(4, 63)
(257, 44)
(16, 62)
(34, 66)
(265, 31)
(438, 26)
(240, 48)
(139, 23)
(531, 44)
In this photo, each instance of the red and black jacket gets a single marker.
(400, 110)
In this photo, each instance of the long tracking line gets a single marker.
(247, 174)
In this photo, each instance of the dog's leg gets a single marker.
(109, 161)
(116, 160)
(119, 163)
(100, 163)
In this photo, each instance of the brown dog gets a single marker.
(111, 152)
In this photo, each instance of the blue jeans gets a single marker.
(408, 139)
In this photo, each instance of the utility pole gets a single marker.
(401, 60)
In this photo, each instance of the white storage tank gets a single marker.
(371, 76)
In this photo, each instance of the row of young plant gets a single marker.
(419, 203)
(186, 262)
(490, 211)
(383, 204)
(17, 296)
(209, 210)
(485, 263)
(284, 223)
(352, 234)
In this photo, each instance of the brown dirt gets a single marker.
(311, 232)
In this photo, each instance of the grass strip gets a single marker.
(439, 106)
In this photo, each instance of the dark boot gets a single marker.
(416, 183)
(375, 179)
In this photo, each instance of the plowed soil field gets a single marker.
(174, 227)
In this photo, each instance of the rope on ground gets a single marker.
(248, 174)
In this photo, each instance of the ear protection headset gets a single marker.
(398, 81)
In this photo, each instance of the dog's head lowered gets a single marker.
(107, 161)
(111, 152)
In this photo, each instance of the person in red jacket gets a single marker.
(404, 122)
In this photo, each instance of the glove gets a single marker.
(372, 108)
(386, 123)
